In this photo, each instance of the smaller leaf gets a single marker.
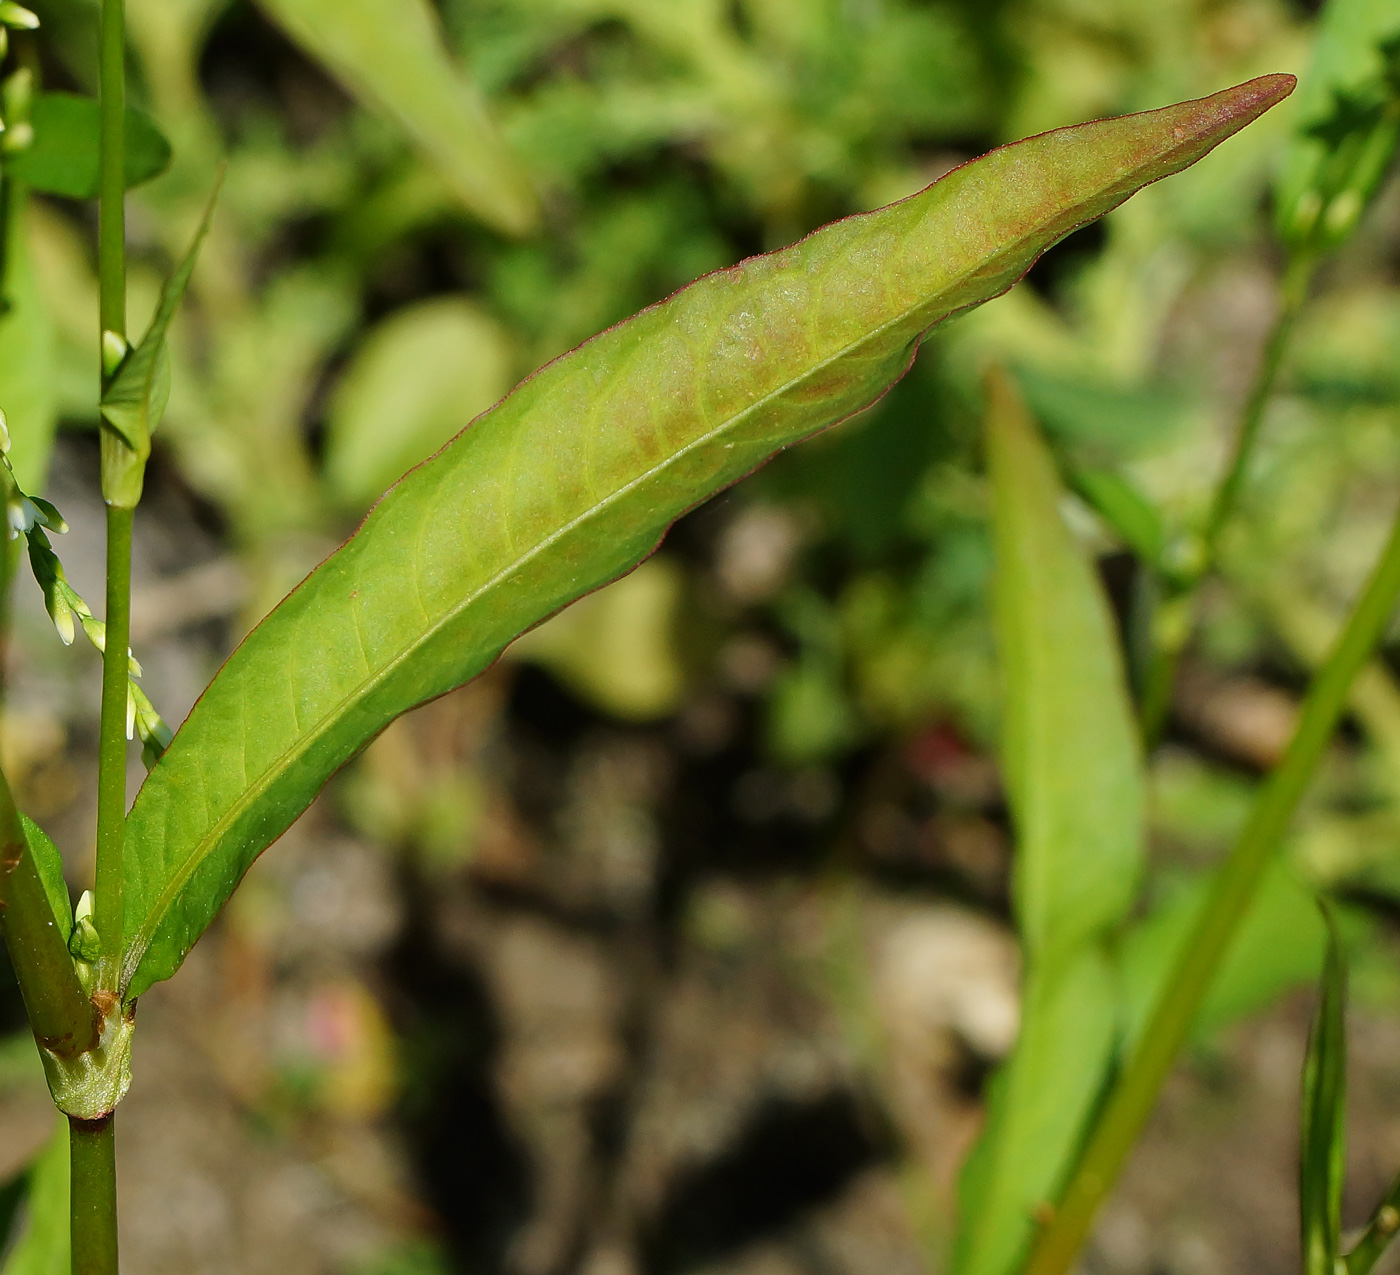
(1322, 1169)
(136, 399)
(63, 158)
(50, 865)
(84, 943)
(1070, 748)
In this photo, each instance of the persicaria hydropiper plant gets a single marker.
(569, 483)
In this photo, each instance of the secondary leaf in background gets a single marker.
(1322, 1160)
(63, 158)
(575, 477)
(419, 374)
(390, 53)
(1259, 965)
(43, 1246)
(28, 394)
(1070, 748)
(1036, 1110)
(1072, 763)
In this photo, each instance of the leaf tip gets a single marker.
(1248, 101)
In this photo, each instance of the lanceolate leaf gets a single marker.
(575, 477)
(391, 53)
(1036, 1111)
(1322, 1167)
(1070, 748)
(50, 865)
(135, 401)
(1073, 773)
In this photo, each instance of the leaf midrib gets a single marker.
(145, 934)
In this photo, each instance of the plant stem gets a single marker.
(93, 1217)
(111, 226)
(112, 749)
(8, 211)
(60, 1014)
(112, 755)
(1161, 670)
(1379, 1232)
(1295, 291)
(1231, 895)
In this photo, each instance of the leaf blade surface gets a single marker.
(575, 477)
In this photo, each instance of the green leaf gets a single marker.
(1322, 1167)
(1037, 1110)
(135, 401)
(576, 476)
(390, 53)
(1280, 944)
(418, 376)
(1070, 747)
(63, 158)
(1073, 770)
(28, 390)
(50, 865)
(43, 1247)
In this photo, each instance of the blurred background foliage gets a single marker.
(680, 939)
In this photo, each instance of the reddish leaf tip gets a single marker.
(1212, 119)
(1256, 96)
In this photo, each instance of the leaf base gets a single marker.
(89, 1086)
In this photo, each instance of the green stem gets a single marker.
(8, 210)
(1295, 291)
(1231, 895)
(60, 1015)
(1385, 1222)
(111, 225)
(92, 1150)
(1161, 670)
(112, 754)
(1161, 678)
(112, 749)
